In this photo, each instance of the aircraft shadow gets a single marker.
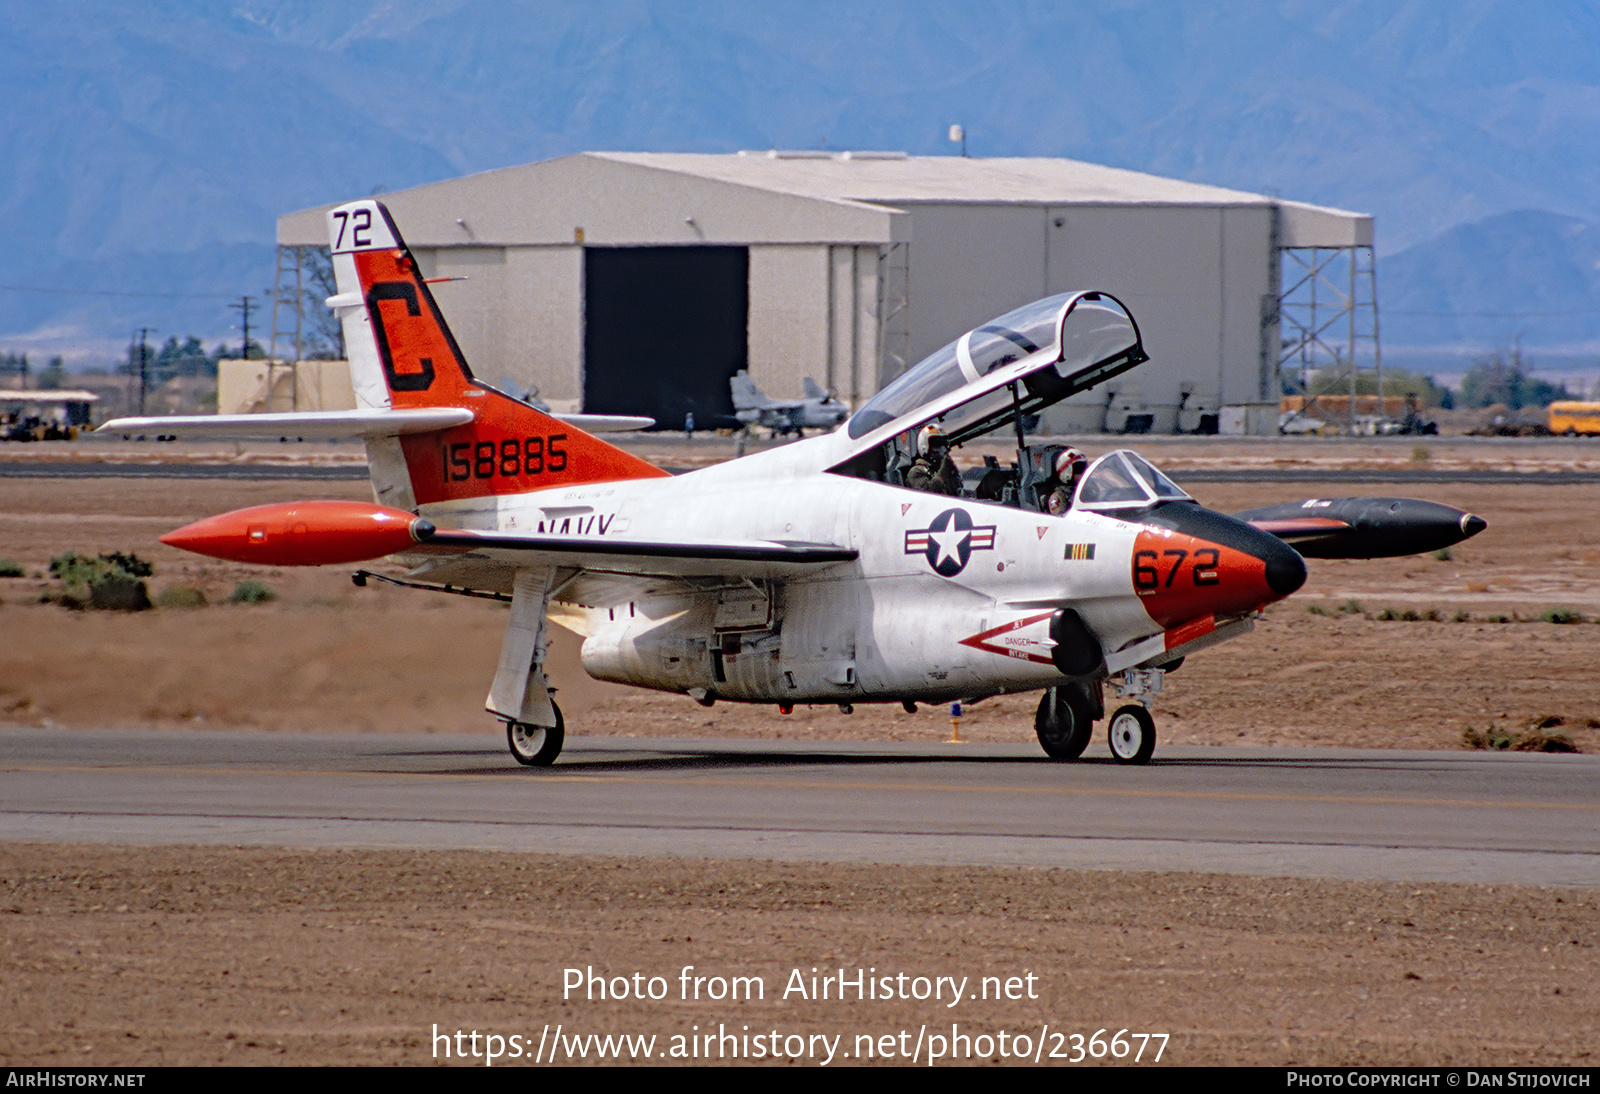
(693, 760)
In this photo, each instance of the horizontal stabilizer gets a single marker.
(311, 425)
(605, 423)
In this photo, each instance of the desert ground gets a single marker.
(143, 956)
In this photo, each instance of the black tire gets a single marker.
(1132, 733)
(536, 746)
(1064, 723)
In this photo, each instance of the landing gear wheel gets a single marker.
(1064, 723)
(536, 746)
(1133, 735)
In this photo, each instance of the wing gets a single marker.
(680, 558)
(604, 573)
(317, 533)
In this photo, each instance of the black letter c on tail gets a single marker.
(397, 290)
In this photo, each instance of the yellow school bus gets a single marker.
(1574, 417)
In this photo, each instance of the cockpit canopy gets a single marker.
(1031, 358)
(1124, 480)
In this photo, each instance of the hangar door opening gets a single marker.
(664, 330)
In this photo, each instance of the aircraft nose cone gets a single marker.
(1192, 561)
(1472, 524)
(1286, 570)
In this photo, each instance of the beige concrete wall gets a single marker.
(852, 323)
(518, 315)
(788, 332)
(1164, 264)
(475, 308)
(970, 263)
(1246, 278)
(242, 387)
(1193, 278)
(543, 317)
(864, 383)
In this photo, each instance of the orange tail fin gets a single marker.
(403, 355)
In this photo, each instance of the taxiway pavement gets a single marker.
(1419, 816)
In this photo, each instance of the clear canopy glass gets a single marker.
(1073, 331)
(1125, 480)
(976, 353)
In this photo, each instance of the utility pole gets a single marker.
(144, 372)
(245, 306)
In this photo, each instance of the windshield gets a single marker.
(977, 353)
(1124, 480)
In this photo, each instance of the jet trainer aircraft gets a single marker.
(813, 573)
(818, 410)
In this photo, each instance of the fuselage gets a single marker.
(948, 597)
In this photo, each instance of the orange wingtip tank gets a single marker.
(303, 533)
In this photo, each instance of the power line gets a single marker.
(244, 307)
(144, 369)
(1491, 314)
(107, 292)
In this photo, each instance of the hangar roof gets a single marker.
(778, 197)
(891, 177)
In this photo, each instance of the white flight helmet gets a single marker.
(1069, 462)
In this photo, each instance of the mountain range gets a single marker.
(149, 145)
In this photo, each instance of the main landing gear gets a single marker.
(537, 746)
(1065, 722)
(1067, 713)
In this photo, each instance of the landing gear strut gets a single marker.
(537, 746)
(1132, 731)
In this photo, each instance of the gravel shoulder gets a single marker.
(198, 956)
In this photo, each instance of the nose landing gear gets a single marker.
(1131, 731)
(1133, 735)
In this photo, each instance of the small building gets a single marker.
(640, 282)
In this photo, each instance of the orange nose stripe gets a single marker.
(1179, 577)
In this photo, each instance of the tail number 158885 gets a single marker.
(510, 458)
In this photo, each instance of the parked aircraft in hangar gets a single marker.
(818, 410)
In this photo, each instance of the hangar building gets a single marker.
(640, 282)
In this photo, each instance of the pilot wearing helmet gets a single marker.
(1055, 493)
(933, 470)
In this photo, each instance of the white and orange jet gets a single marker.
(811, 573)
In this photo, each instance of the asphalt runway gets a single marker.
(1416, 816)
